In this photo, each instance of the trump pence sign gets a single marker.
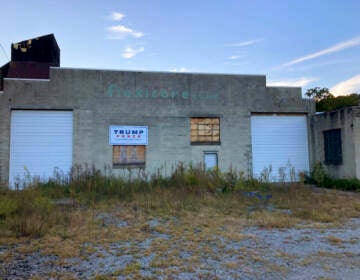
(128, 135)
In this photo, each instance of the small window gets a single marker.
(332, 146)
(205, 131)
(125, 156)
(210, 160)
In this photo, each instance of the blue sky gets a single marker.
(294, 43)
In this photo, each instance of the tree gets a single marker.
(325, 101)
(318, 93)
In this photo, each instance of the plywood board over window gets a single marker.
(205, 130)
(126, 155)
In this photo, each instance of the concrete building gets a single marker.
(152, 121)
(336, 141)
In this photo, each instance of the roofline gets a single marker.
(156, 72)
(36, 37)
(283, 87)
(336, 110)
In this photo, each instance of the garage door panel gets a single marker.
(280, 142)
(40, 141)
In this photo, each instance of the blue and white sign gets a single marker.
(128, 135)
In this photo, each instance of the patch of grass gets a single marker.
(54, 275)
(6, 256)
(306, 261)
(327, 254)
(196, 209)
(26, 212)
(188, 189)
(231, 265)
(335, 240)
(271, 220)
(103, 277)
(285, 256)
(132, 268)
(325, 277)
(317, 205)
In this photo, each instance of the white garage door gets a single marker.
(40, 142)
(279, 146)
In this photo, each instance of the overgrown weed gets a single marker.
(26, 212)
(66, 206)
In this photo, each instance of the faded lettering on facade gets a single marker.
(114, 90)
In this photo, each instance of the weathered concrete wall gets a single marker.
(163, 101)
(356, 133)
(347, 120)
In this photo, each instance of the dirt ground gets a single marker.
(161, 252)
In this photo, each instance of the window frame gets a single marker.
(213, 129)
(207, 153)
(333, 147)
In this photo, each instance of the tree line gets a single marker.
(326, 101)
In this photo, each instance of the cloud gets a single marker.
(244, 43)
(298, 82)
(181, 69)
(116, 16)
(322, 64)
(336, 48)
(130, 52)
(153, 54)
(121, 32)
(235, 57)
(351, 85)
(234, 63)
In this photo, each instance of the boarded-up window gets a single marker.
(128, 155)
(205, 130)
(332, 146)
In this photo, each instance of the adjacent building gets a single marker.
(336, 141)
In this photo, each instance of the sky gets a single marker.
(294, 43)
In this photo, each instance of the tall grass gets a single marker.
(39, 205)
(42, 206)
(26, 212)
(87, 184)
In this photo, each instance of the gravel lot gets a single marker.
(295, 253)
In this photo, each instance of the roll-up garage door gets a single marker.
(279, 146)
(40, 143)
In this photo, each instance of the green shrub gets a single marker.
(319, 177)
(26, 212)
(352, 184)
(7, 206)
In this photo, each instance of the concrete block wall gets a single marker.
(164, 102)
(356, 134)
(347, 120)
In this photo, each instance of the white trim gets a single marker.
(27, 79)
